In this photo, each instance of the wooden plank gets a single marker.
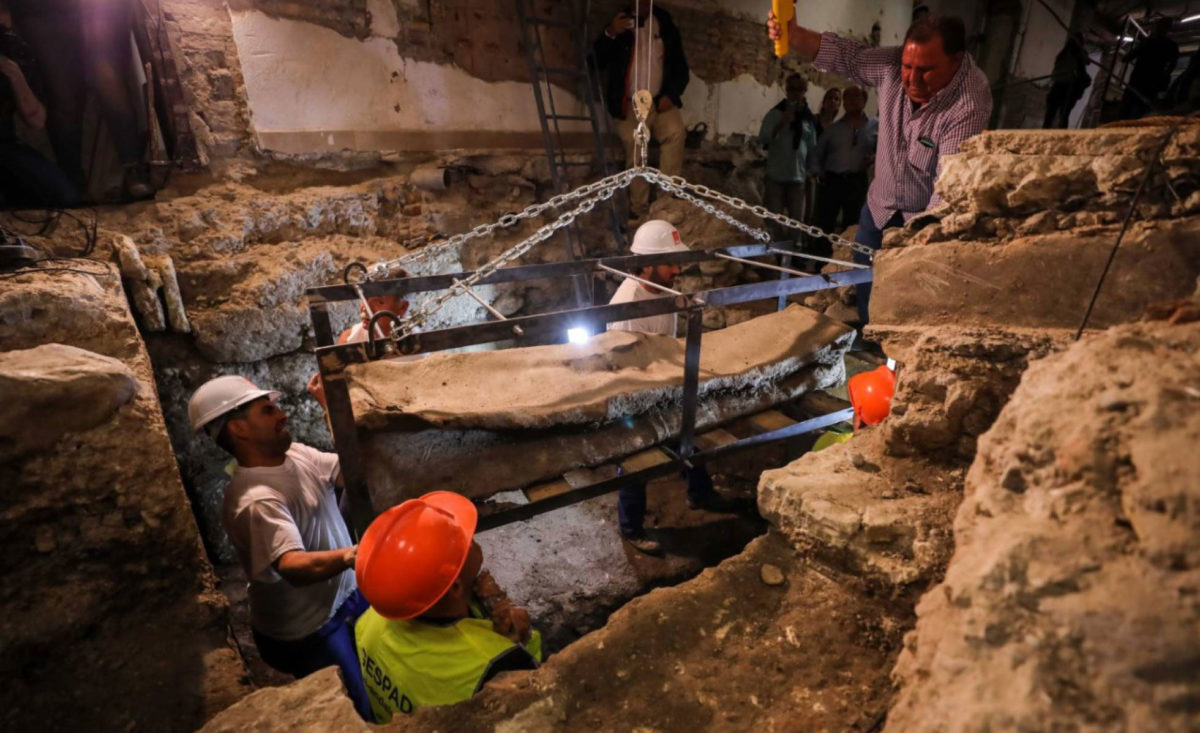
(715, 439)
(644, 460)
(771, 420)
(538, 492)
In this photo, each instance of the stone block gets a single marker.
(55, 389)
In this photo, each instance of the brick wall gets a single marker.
(719, 46)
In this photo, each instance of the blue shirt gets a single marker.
(786, 161)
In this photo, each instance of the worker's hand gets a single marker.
(621, 22)
(316, 388)
(665, 104)
(486, 589)
(350, 556)
(511, 621)
(773, 28)
(8, 67)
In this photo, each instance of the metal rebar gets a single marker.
(777, 268)
(367, 308)
(481, 301)
(635, 278)
(818, 258)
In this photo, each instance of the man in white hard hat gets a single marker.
(281, 514)
(656, 237)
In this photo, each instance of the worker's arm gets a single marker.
(801, 41)
(606, 45)
(305, 568)
(508, 619)
(833, 54)
(28, 105)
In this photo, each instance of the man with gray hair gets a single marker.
(932, 97)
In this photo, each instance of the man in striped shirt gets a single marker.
(932, 96)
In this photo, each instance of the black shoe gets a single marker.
(643, 543)
(714, 502)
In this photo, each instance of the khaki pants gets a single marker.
(665, 127)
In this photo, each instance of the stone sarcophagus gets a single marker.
(483, 422)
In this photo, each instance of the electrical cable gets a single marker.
(90, 228)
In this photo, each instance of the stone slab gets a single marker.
(1042, 282)
(448, 452)
(615, 374)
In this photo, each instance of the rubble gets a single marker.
(1067, 602)
(841, 505)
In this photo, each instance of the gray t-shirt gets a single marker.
(271, 511)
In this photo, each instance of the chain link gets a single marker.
(383, 270)
(679, 185)
(587, 196)
(599, 193)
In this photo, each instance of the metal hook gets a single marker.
(372, 350)
(352, 266)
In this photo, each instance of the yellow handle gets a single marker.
(785, 11)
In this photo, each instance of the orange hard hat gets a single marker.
(412, 553)
(871, 395)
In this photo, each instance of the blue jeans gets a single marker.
(872, 236)
(332, 644)
(631, 500)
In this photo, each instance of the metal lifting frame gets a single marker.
(332, 359)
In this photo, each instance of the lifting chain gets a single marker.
(586, 198)
(679, 186)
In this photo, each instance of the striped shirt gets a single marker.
(912, 139)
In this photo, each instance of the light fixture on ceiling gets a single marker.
(578, 335)
(1189, 19)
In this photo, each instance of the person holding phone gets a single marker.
(641, 49)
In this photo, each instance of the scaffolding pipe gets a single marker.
(635, 278)
(788, 270)
(818, 258)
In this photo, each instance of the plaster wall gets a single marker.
(311, 88)
(303, 77)
(1041, 39)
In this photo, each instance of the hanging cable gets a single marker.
(1112, 255)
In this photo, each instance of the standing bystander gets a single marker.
(932, 96)
(840, 163)
(788, 132)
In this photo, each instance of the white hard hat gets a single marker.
(218, 396)
(657, 237)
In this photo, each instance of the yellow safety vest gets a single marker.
(413, 663)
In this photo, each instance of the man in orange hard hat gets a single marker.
(282, 517)
(427, 639)
(871, 395)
